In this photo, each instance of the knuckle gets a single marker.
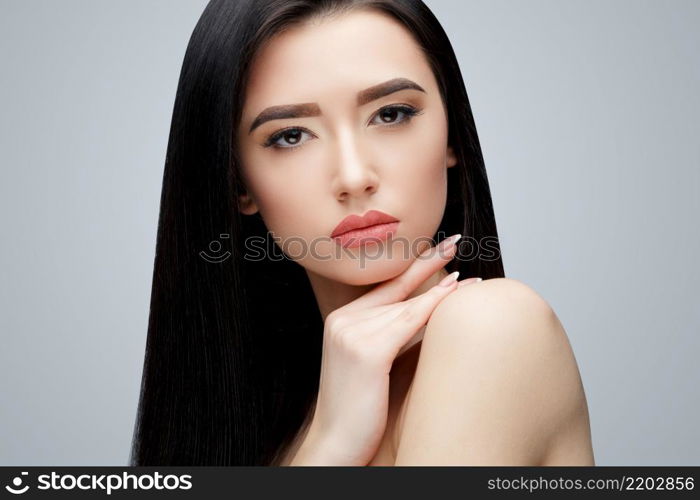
(350, 343)
(358, 348)
(332, 316)
(404, 288)
(342, 335)
(334, 321)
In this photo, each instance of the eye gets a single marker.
(387, 115)
(291, 135)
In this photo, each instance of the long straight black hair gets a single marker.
(233, 351)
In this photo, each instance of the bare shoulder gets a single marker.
(500, 316)
(497, 295)
(496, 383)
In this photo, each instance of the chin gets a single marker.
(370, 272)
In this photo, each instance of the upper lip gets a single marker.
(371, 218)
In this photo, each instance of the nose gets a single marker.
(355, 175)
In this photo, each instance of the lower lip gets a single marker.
(370, 234)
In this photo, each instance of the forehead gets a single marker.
(332, 59)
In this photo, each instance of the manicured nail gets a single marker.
(449, 242)
(448, 280)
(469, 281)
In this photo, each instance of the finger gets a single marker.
(418, 336)
(392, 310)
(385, 313)
(398, 288)
(468, 281)
(403, 330)
(421, 332)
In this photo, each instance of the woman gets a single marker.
(294, 122)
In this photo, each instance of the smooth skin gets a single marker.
(355, 156)
(496, 361)
(507, 386)
(361, 340)
(492, 379)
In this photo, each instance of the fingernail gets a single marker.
(449, 242)
(469, 281)
(448, 280)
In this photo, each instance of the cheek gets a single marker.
(285, 199)
(421, 158)
(420, 177)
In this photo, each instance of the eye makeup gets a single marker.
(406, 110)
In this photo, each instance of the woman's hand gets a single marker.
(360, 342)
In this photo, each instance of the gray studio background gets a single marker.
(588, 115)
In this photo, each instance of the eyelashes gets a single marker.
(295, 133)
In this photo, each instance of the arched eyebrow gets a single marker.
(312, 109)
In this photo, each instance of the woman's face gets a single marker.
(346, 151)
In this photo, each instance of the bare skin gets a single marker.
(534, 413)
(491, 378)
(507, 386)
(355, 156)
